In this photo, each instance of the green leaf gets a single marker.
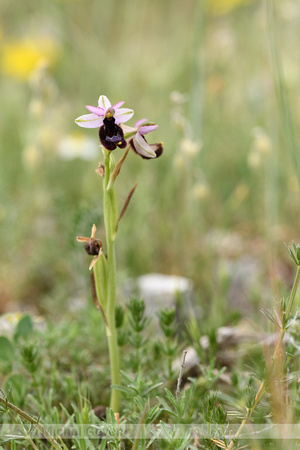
(103, 444)
(171, 398)
(152, 388)
(24, 327)
(137, 401)
(112, 417)
(7, 350)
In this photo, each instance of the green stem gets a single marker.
(110, 221)
(258, 396)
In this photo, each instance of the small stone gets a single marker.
(162, 291)
(191, 360)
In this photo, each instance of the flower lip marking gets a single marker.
(111, 135)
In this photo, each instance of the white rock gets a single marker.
(160, 291)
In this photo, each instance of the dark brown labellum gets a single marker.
(93, 247)
(111, 135)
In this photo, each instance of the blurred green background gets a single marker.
(226, 186)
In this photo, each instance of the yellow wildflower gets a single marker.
(20, 58)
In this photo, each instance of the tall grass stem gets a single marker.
(280, 87)
(262, 386)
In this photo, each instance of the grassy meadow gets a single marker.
(221, 79)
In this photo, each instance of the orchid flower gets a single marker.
(107, 117)
(138, 142)
(99, 112)
(92, 246)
